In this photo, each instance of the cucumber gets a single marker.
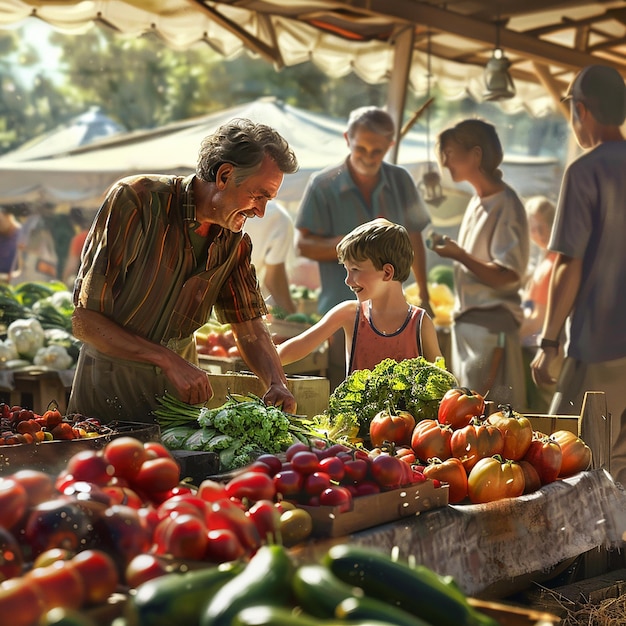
(266, 579)
(418, 591)
(319, 592)
(177, 598)
(263, 615)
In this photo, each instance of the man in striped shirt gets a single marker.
(163, 252)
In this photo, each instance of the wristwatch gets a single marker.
(549, 343)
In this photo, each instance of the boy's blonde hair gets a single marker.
(379, 241)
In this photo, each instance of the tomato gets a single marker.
(182, 536)
(266, 518)
(388, 471)
(123, 495)
(155, 450)
(450, 471)
(155, 475)
(532, 482)
(223, 545)
(366, 488)
(11, 559)
(305, 462)
(183, 504)
(218, 351)
(226, 514)
(333, 466)
(476, 441)
(545, 456)
(211, 490)
(99, 574)
(48, 557)
(90, 466)
(144, 567)
(297, 446)
(355, 470)
(288, 483)
(406, 454)
(388, 425)
(252, 486)
(272, 461)
(13, 502)
(125, 454)
(39, 486)
(296, 525)
(576, 454)
(336, 496)
(233, 352)
(516, 429)
(59, 584)
(21, 601)
(431, 439)
(315, 483)
(493, 479)
(458, 406)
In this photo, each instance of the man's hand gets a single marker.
(540, 367)
(278, 395)
(190, 382)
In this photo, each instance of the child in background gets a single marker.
(540, 212)
(380, 324)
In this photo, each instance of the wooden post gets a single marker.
(595, 428)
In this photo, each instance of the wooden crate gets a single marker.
(35, 388)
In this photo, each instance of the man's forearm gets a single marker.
(315, 247)
(564, 285)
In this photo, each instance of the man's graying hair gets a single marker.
(244, 144)
(373, 119)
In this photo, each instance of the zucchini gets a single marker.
(319, 592)
(418, 591)
(266, 579)
(177, 598)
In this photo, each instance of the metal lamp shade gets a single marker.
(498, 82)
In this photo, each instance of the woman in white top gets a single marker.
(490, 260)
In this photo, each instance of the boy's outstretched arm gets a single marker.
(340, 316)
(430, 342)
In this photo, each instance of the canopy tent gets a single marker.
(546, 41)
(79, 131)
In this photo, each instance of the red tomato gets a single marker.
(125, 454)
(211, 490)
(366, 488)
(182, 536)
(316, 482)
(158, 474)
(183, 504)
(406, 454)
(355, 470)
(90, 466)
(389, 426)
(144, 567)
(288, 483)
(99, 574)
(334, 467)
(266, 518)
(388, 471)
(252, 486)
(476, 441)
(13, 502)
(22, 601)
(39, 486)
(233, 352)
(337, 496)
(154, 450)
(218, 351)
(544, 454)
(123, 495)
(223, 545)
(576, 454)
(11, 559)
(493, 479)
(224, 514)
(459, 405)
(59, 584)
(516, 429)
(305, 462)
(272, 461)
(450, 471)
(298, 446)
(532, 482)
(431, 439)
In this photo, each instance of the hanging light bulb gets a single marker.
(430, 185)
(498, 82)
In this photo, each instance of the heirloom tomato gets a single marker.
(388, 425)
(476, 441)
(544, 454)
(459, 405)
(431, 439)
(516, 429)
(576, 454)
(450, 471)
(532, 482)
(492, 479)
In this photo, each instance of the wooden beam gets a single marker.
(552, 86)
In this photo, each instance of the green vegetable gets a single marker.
(174, 437)
(263, 615)
(417, 590)
(265, 580)
(442, 274)
(178, 598)
(413, 385)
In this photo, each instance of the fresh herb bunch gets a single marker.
(413, 385)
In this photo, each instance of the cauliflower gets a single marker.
(55, 357)
(27, 336)
(7, 352)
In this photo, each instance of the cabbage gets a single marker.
(55, 357)
(27, 336)
(8, 352)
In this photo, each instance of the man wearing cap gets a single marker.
(588, 285)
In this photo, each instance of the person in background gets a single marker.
(540, 211)
(490, 261)
(272, 241)
(379, 324)
(76, 245)
(162, 253)
(588, 284)
(9, 236)
(341, 197)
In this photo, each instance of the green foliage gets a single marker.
(413, 385)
